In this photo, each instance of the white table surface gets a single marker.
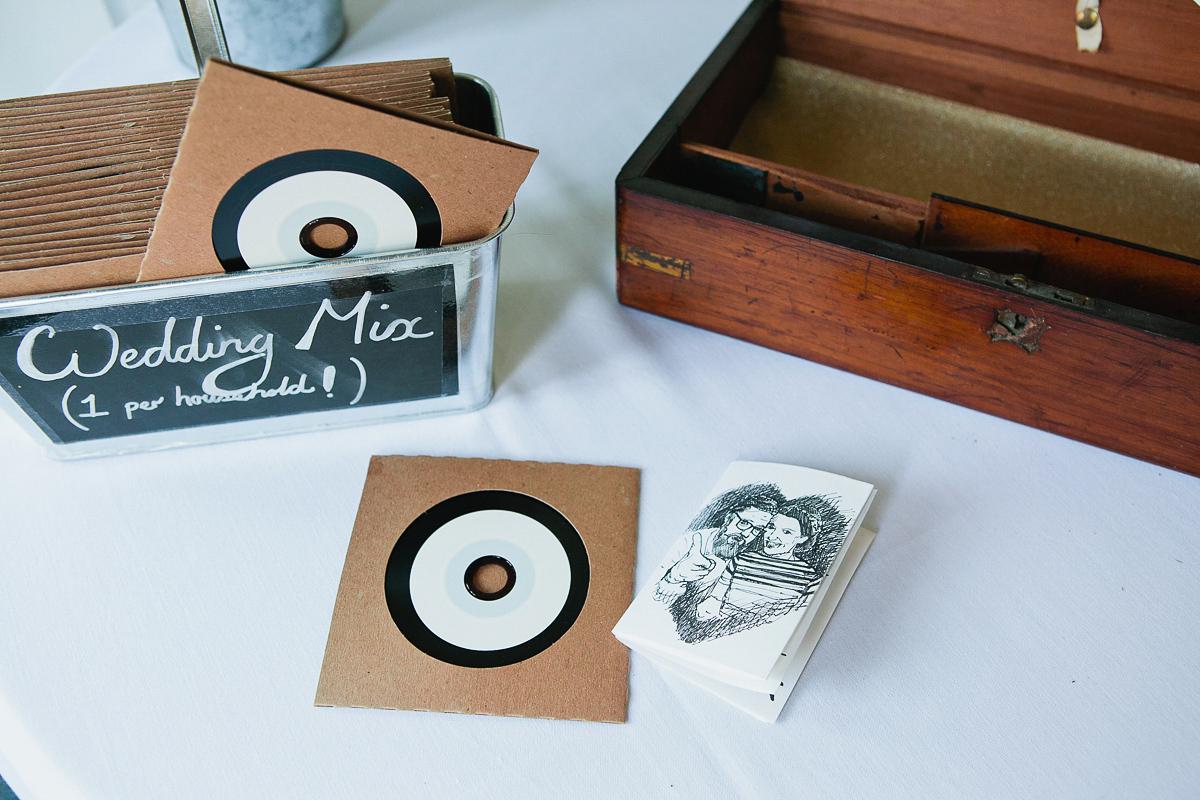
(1024, 626)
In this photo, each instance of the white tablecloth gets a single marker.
(1024, 626)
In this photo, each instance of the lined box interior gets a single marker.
(1100, 143)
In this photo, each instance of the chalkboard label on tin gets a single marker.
(169, 364)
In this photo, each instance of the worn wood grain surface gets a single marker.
(1088, 378)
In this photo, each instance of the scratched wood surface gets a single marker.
(1069, 259)
(1100, 382)
(850, 206)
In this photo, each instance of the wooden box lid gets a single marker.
(1142, 88)
(1154, 42)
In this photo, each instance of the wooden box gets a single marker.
(799, 194)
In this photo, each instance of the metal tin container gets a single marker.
(215, 358)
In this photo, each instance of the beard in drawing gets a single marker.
(741, 527)
(725, 546)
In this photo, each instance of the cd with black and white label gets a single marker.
(320, 204)
(537, 566)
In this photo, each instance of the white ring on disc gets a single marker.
(439, 592)
(268, 232)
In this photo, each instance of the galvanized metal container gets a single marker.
(249, 354)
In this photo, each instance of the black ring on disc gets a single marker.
(397, 588)
(311, 247)
(510, 577)
(229, 210)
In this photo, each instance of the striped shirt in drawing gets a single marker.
(757, 580)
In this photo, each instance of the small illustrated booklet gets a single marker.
(742, 597)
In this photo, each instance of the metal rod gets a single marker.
(204, 29)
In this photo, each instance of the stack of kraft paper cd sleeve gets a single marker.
(83, 173)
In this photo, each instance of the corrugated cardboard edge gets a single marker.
(113, 271)
(395, 112)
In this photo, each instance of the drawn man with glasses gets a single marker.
(752, 555)
(729, 525)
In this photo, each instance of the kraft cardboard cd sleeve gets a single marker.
(243, 119)
(542, 650)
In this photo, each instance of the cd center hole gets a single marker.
(328, 237)
(490, 577)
